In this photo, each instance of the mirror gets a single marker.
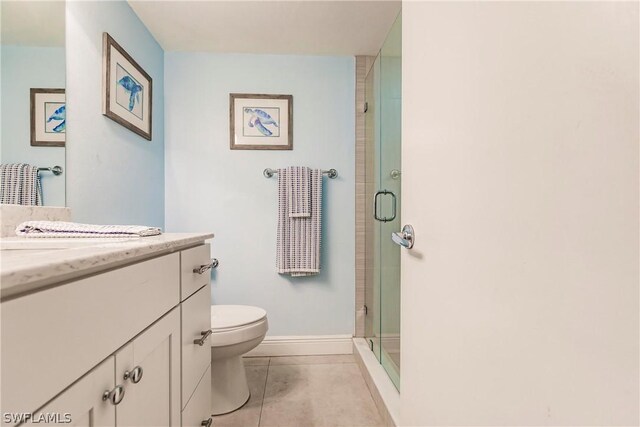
(33, 77)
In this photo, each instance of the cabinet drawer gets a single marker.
(196, 318)
(191, 259)
(53, 337)
(199, 407)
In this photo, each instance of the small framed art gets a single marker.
(127, 89)
(261, 122)
(48, 117)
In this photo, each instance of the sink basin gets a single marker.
(49, 243)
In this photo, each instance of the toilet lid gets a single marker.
(231, 316)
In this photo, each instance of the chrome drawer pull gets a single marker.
(205, 335)
(205, 267)
(114, 396)
(135, 375)
(207, 423)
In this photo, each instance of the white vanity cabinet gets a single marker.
(118, 348)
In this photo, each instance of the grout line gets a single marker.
(264, 392)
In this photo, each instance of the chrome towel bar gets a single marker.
(56, 170)
(331, 173)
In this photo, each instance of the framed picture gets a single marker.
(261, 122)
(126, 89)
(48, 117)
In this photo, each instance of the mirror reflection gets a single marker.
(32, 155)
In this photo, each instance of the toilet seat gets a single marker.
(225, 317)
(234, 324)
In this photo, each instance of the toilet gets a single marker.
(236, 329)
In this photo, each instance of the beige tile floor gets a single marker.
(304, 391)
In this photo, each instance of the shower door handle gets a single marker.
(375, 206)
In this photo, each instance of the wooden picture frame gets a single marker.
(48, 117)
(260, 122)
(126, 88)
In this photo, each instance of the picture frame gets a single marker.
(48, 117)
(127, 89)
(260, 122)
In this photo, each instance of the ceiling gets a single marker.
(308, 27)
(32, 23)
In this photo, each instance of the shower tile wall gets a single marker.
(363, 64)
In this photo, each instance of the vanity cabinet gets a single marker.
(126, 347)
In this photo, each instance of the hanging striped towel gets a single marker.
(20, 185)
(298, 191)
(299, 238)
(74, 229)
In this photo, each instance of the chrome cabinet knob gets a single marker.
(206, 267)
(207, 423)
(135, 375)
(205, 334)
(114, 396)
(406, 238)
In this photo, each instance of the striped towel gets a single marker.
(20, 185)
(74, 229)
(298, 191)
(299, 238)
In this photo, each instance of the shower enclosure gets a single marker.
(382, 191)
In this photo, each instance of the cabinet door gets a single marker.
(82, 403)
(154, 400)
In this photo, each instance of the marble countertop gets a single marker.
(31, 264)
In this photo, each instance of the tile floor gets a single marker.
(304, 391)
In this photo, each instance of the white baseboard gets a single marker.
(308, 345)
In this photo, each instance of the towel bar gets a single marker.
(57, 170)
(331, 173)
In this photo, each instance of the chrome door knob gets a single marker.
(406, 238)
(114, 396)
(135, 375)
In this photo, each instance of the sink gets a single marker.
(14, 243)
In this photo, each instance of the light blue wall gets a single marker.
(212, 188)
(24, 68)
(114, 175)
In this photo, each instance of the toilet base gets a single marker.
(229, 387)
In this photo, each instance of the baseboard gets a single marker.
(308, 345)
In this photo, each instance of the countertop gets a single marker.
(31, 264)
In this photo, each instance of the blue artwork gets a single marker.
(260, 120)
(128, 92)
(56, 119)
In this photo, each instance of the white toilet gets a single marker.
(236, 329)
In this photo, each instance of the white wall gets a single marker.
(212, 188)
(520, 176)
(24, 68)
(113, 175)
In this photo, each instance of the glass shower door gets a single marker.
(382, 186)
(390, 181)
